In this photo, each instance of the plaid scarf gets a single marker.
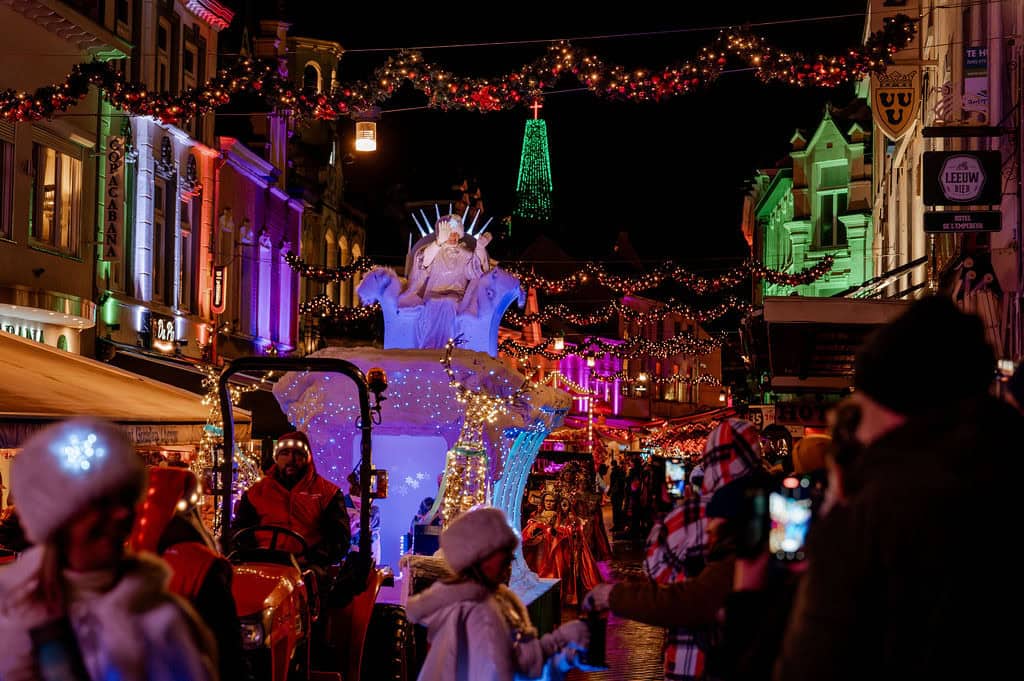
(677, 547)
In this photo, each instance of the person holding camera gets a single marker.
(887, 593)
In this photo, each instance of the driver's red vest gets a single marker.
(299, 509)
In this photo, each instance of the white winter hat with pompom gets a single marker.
(64, 467)
(474, 535)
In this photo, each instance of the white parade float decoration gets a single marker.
(461, 411)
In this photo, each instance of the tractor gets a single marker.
(290, 630)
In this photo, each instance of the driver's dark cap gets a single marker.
(293, 440)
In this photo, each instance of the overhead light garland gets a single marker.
(684, 344)
(321, 273)
(606, 312)
(624, 377)
(669, 271)
(447, 91)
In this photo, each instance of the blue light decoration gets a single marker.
(80, 452)
(421, 421)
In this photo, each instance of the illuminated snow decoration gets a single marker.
(80, 453)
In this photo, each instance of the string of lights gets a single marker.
(322, 273)
(447, 91)
(684, 344)
(668, 271)
(247, 465)
(557, 379)
(624, 377)
(465, 481)
(323, 306)
(608, 311)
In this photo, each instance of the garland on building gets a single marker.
(606, 312)
(448, 91)
(668, 271)
(324, 274)
(323, 306)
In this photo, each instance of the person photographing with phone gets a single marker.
(888, 593)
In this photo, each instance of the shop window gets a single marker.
(163, 55)
(159, 239)
(829, 228)
(57, 189)
(6, 188)
(187, 259)
(311, 79)
(285, 300)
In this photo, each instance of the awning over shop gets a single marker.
(812, 341)
(39, 384)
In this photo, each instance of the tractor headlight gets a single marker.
(252, 633)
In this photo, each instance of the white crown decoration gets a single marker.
(428, 228)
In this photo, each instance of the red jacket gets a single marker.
(300, 509)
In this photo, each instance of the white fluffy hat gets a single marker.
(474, 535)
(63, 467)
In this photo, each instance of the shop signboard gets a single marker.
(113, 200)
(796, 413)
(762, 415)
(975, 98)
(219, 293)
(953, 222)
(896, 98)
(962, 178)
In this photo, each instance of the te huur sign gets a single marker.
(962, 178)
(953, 222)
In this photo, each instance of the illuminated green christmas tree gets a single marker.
(533, 190)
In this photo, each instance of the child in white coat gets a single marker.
(478, 629)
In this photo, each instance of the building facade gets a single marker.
(963, 85)
(157, 279)
(816, 206)
(334, 233)
(49, 174)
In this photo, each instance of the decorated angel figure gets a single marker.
(445, 269)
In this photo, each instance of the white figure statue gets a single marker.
(443, 275)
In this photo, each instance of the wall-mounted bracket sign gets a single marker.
(962, 178)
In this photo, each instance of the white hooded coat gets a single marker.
(471, 639)
(133, 631)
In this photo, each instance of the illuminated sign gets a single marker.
(163, 332)
(219, 293)
(114, 200)
(18, 328)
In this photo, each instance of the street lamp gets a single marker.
(366, 129)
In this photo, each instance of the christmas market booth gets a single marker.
(42, 384)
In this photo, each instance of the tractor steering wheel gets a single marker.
(275, 531)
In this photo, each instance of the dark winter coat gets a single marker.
(912, 578)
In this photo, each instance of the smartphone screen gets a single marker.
(790, 512)
(675, 477)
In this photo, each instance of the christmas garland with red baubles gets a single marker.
(737, 48)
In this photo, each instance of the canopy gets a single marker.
(40, 384)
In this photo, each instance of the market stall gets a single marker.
(39, 385)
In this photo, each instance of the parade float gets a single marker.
(453, 408)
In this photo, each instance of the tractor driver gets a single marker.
(293, 495)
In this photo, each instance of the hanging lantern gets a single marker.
(722, 395)
(366, 129)
(590, 361)
(559, 344)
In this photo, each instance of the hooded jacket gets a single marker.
(911, 577)
(132, 631)
(314, 507)
(472, 637)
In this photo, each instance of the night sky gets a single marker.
(670, 173)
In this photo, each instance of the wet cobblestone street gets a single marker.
(633, 649)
